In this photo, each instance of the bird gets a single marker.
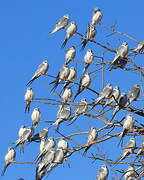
(141, 150)
(139, 48)
(62, 115)
(71, 77)
(9, 158)
(40, 174)
(25, 137)
(121, 53)
(96, 16)
(119, 63)
(127, 125)
(45, 147)
(90, 34)
(122, 101)
(81, 109)
(41, 70)
(130, 173)
(63, 144)
(70, 54)
(85, 81)
(67, 94)
(134, 93)
(40, 135)
(113, 96)
(70, 31)
(92, 135)
(35, 116)
(62, 76)
(29, 95)
(88, 58)
(129, 149)
(103, 173)
(61, 24)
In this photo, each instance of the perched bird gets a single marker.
(41, 70)
(25, 137)
(96, 16)
(134, 93)
(71, 77)
(90, 34)
(81, 109)
(127, 125)
(62, 115)
(119, 63)
(130, 173)
(70, 54)
(40, 174)
(36, 116)
(129, 149)
(92, 135)
(46, 147)
(61, 23)
(88, 58)
(67, 94)
(113, 96)
(122, 101)
(40, 135)
(9, 158)
(63, 144)
(105, 93)
(121, 53)
(84, 83)
(70, 31)
(141, 151)
(139, 48)
(102, 173)
(29, 95)
(62, 76)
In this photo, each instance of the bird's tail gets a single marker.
(85, 68)
(84, 42)
(86, 149)
(53, 31)
(64, 42)
(27, 106)
(4, 169)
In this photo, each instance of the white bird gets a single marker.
(62, 115)
(9, 158)
(96, 16)
(84, 83)
(88, 58)
(36, 116)
(141, 151)
(70, 31)
(29, 95)
(134, 93)
(102, 173)
(130, 173)
(139, 48)
(70, 54)
(63, 144)
(41, 70)
(67, 94)
(90, 34)
(21, 131)
(40, 135)
(61, 23)
(92, 135)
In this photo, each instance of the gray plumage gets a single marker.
(103, 173)
(9, 158)
(139, 48)
(134, 93)
(85, 81)
(122, 101)
(40, 174)
(119, 63)
(96, 16)
(141, 151)
(90, 34)
(67, 94)
(130, 173)
(61, 23)
(41, 70)
(70, 31)
(35, 116)
(29, 95)
(70, 54)
(63, 144)
(88, 58)
(40, 135)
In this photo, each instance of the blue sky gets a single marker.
(25, 43)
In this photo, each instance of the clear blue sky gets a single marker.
(25, 43)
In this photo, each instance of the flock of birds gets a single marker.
(50, 157)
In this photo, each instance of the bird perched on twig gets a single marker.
(36, 116)
(130, 173)
(70, 31)
(90, 34)
(88, 58)
(40, 135)
(29, 95)
(61, 23)
(63, 144)
(41, 70)
(9, 158)
(139, 48)
(103, 173)
(96, 16)
(70, 54)
(67, 94)
(84, 83)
